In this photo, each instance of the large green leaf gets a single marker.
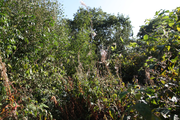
(144, 110)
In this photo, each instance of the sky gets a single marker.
(137, 10)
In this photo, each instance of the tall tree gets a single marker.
(109, 28)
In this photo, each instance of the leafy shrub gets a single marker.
(45, 73)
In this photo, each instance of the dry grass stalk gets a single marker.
(53, 99)
(82, 3)
(103, 55)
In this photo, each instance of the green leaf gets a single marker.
(9, 66)
(145, 64)
(174, 60)
(163, 82)
(178, 28)
(168, 47)
(138, 96)
(105, 99)
(121, 40)
(123, 94)
(154, 102)
(133, 44)
(145, 37)
(152, 78)
(43, 105)
(110, 114)
(113, 48)
(165, 17)
(171, 24)
(114, 96)
(157, 12)
(155, 39)
(14, 47)
(68, 60)
(154, 117)
(160, 47)
(144, 110)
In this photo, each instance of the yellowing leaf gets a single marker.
(147, 43)
(110, 114)
(178, 10)
(114, 95)
(113, 48)
(123, 84)
(168, 47)
(105, 100)
(163, 82)
(178, 28)
(9, 66)
(153, 49)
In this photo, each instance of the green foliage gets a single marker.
(29, 46)
(50, 70)
(109, 28)
(160, 44)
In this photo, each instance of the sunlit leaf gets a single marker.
(174, 60)
(114, 96)
(9, 66)
(178, 10)
(113, 48)
(133, 44)
(168, 47)
(105, 99)
(165, 17)
(163, 82)
(157, 12)
(145, 37)
(110, 114)
(171, 24)
(178, 28)
(152, 78)
(154, 102)
(121, 40)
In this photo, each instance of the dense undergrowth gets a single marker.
(51, 68)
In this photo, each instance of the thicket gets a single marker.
(89, 67)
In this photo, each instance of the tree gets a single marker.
(109, 29)
(151, 25)
(148, 28)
